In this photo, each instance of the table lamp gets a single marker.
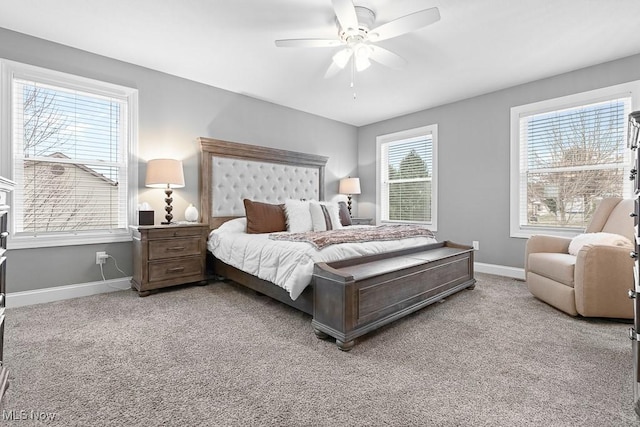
(349, 186)
(167, 174)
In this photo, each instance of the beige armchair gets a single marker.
(596, 281)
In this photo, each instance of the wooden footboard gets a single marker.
(355, 296)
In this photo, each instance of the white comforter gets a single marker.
(288, 264)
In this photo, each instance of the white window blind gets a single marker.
(70, 159)
(407, 177)
(569, 159)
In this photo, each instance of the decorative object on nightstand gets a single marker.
(191, 213)
(168, 255)
(349, 186)
(167, 174)
(145, 214)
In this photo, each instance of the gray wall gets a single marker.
(473, 151)
(473, 159)
(173, 112)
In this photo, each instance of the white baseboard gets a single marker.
(499, 270)
(38, 296)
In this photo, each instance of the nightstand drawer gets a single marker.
(171, 248)
(171, 232)
(173, 269)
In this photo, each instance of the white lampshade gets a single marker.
(349, 186)
(362, 52)
(164, 173)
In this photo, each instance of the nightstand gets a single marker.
(361, 221)
(168, 255)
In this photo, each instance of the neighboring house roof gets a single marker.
(87, 169)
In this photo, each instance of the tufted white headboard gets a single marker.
(231, 172)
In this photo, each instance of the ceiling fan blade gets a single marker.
(405, 24)
(387, 58)
(346, 14)
(308, 43)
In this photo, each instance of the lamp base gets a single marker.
(349, 203)
(169, 216)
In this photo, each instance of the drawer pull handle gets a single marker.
(176, 248)
(633, 255)
(175, 269)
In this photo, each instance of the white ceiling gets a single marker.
(478, 46)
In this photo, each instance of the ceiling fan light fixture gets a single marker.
(362, 63)
(362, 52)
(341, 58)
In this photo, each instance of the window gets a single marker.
(407, 176)
(69, 145)
(566, 155)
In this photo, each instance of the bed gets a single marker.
(347, 294)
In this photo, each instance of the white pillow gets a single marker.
(597, 239)
(325, 216)
(298, 216)
(237, 225)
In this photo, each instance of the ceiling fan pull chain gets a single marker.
(353, 76)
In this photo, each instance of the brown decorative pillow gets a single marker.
(345, 218)
(264, 217)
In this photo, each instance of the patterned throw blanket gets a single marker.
(321, 239)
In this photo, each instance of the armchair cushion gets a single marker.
(555, 266)
(609, 239)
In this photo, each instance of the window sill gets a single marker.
(525, 233)
(44, 241)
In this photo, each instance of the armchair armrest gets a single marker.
(545, 243)
(603, 275)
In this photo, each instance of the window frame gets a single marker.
(10, 70)
(385, 139)
(631, 89)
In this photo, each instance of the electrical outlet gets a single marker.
(101, 257)
(476, 245)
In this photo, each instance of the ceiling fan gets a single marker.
(357, 35)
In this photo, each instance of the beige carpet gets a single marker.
(218, 355)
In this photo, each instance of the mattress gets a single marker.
(285, 263)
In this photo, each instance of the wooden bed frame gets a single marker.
(349, 298)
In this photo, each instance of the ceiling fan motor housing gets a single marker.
(366, 18)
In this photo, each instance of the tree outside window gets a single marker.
(575, 158)
(409, 189)
(407, 176)
(69, 143)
